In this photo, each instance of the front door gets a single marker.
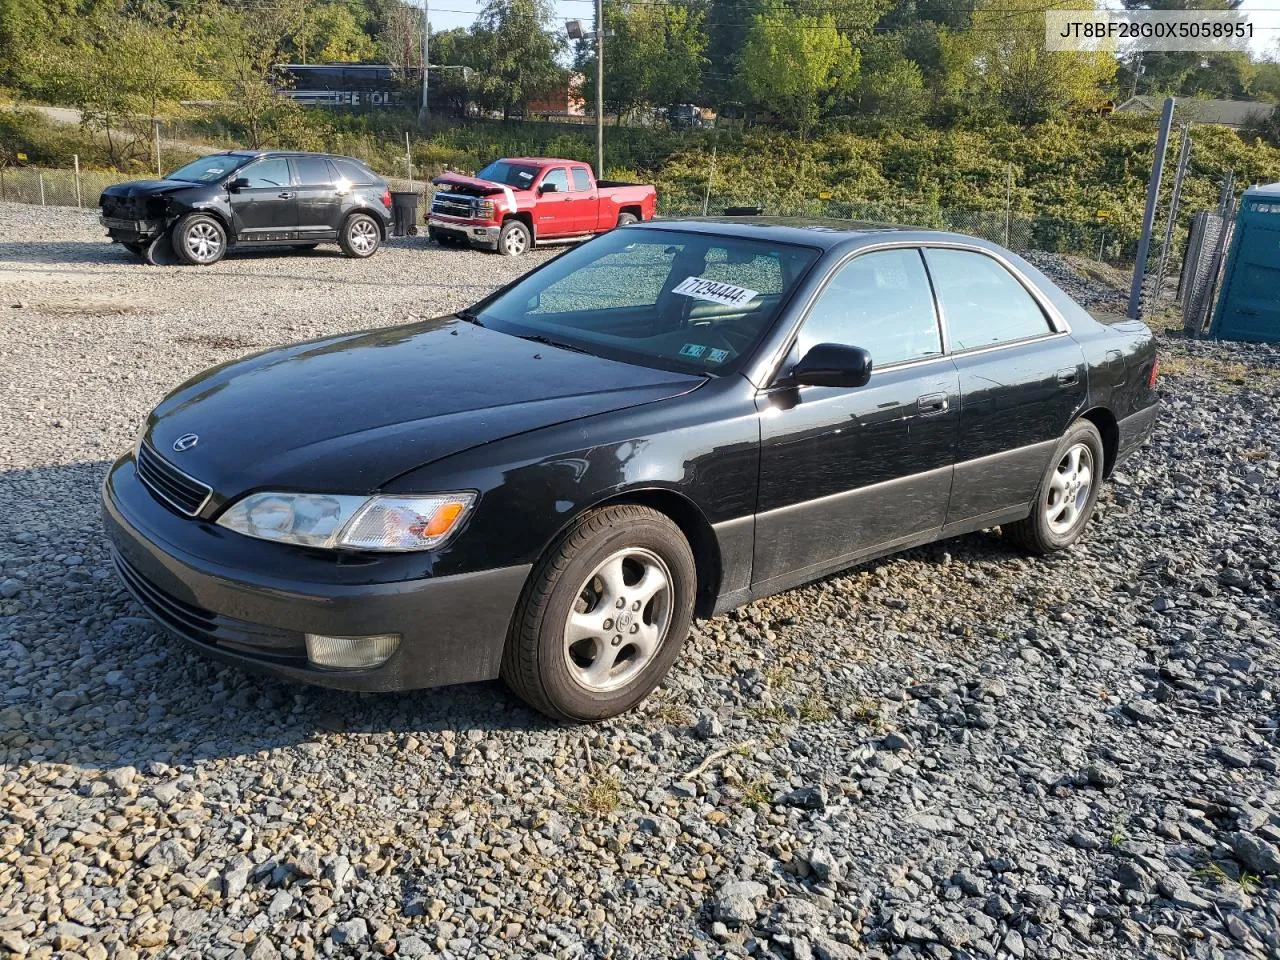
(553, 215)
(265, 208)
(1022, 382)
(319, 200)
(845, 472)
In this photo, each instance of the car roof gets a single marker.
(542, 161)
(826, 234)
(291, 153)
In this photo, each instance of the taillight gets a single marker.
(1155, 372)
(386, 199)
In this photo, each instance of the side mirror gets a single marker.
(239, 183)
(548, 188)
(833, 365)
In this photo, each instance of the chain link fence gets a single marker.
(55, 187)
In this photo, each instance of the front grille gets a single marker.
(117, 207)
(197, 624)
(452, 205)
(170, 485)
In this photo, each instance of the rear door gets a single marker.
(265, 208)
(319, 200)
(553, 214)
(1022, 381)
(847, 471)
(584, 201)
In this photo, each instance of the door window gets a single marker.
(354, 172)
(880, 302)
(312, 171)
(558, 179)
(272, 172)
(983, 303)
(581, 182)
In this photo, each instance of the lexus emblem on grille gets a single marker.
(185, 442)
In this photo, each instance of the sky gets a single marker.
(1264, 14)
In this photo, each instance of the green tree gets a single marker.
(518, 51)
(891, 88)
(654, 56)
(791, 62)
(332, 32)
(1002, 61)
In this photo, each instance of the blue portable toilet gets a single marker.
(1249, 302)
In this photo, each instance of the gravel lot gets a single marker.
(957, 752)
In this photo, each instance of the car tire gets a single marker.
(360, 237)
(199, 240)
(626, 219)
(1067, 493)
(570, 653)
(514, 239)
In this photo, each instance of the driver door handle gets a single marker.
(287, 195)
(932, 404)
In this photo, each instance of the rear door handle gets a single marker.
(287, 195)
(932, 404)
(1067, 376)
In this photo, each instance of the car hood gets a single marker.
(472, 186)
(148, 188)
(350, 413)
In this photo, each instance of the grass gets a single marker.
(757, 792)
(1212, 873)
(671, 713)
(604, 795)
(1118, 824)
(769, 713)
(815, 709)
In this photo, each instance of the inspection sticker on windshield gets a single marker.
(717, 291)
(692, 350)
(717, 356)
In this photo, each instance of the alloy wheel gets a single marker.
(515, 242)
(620, 620)
(363, 236)
(203, 242)
(1069, 488)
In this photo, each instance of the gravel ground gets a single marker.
(956, 752)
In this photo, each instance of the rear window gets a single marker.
(354, 172)
(312, 170)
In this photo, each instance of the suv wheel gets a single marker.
(360, 236)
(199, 239)
(514, 238)
(603, 616)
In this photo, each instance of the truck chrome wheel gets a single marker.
(1069, 488)
(203, 242)
(620, 620)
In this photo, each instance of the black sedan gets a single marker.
(663, 423)
(250, 199)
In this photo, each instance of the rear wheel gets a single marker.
(625, 219)
(199, 239)
(603, 617)
(1067, 494)
(514, 239)
(360, 237)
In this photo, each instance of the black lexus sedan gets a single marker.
(250, 199)
(662, 423)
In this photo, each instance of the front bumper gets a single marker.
(132, 230)
(251, 602)
(483, 234)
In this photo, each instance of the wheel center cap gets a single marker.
(624, 620)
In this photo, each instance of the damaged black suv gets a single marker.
(250, 199)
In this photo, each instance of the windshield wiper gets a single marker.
(539, 338)
(470, 316)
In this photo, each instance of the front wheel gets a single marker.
(199, 239)
(360, 237)
(514, 239)
(1067, 493)
(603, 616)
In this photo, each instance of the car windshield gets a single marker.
(208, 169)
(692, 302)
(518, 175)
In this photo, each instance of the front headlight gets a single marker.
(360, 523)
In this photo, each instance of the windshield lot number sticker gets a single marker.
(715, 291)
(692, 350)
(717, 356)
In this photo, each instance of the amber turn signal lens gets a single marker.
(445, 518)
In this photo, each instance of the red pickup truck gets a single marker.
(515, 203)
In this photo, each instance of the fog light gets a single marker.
(352, 653)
